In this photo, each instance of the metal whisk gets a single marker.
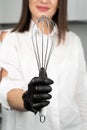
(43, 45)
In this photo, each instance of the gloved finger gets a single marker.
(40, 105)
(43, 89)
(41, 81)
(41, 97)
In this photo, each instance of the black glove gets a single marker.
(37, 95)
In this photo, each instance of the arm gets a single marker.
(10, 75)
(14, 96)
(81, 91)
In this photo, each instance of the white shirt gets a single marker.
(67, 68)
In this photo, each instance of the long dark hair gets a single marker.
(60, 18)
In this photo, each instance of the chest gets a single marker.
(62, 66)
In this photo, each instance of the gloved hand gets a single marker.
(37, 95)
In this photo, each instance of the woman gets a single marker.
(67, 69)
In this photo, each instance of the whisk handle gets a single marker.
(42, 73)
(42, 113)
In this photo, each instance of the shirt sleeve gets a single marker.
(81, 93)
(9, 60)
